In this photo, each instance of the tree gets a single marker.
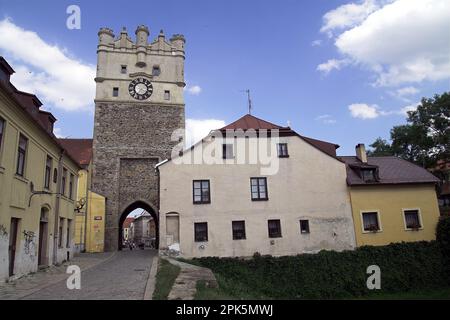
(380, 148)
(425, 138)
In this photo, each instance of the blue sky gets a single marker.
(341, 71)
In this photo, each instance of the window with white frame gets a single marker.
(282, 150)
(412, 219)
(371, 221)
(258, 189)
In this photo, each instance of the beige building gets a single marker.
(38, 185)
(293, 200)
(144, 230)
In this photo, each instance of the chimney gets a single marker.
(361, 152)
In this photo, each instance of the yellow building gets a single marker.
(392, 199)
(90, 232)
(38, 185)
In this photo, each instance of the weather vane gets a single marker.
(249, 101)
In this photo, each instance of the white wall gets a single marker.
(309, 185)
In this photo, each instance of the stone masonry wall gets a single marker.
(129, 139)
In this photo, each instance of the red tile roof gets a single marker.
(127, 222)
(79, 149)
(251, 122)
(391, 170)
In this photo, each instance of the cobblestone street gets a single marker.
(122, 275)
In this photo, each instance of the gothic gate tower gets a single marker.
(138, 104)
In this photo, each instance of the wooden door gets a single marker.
(42, 242)
(12, 244)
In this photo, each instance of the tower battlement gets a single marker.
(175, 46)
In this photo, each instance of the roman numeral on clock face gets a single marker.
(140, 89)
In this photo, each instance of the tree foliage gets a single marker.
(425, 138)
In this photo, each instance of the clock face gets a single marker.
(140, 89)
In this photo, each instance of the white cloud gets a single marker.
(197, 129)
(331, 64)
(194, 90)
(58, 132)
(364, 111)
(347, 15)
(402, 42)
(316, 43)
(404, 93)
(407, 91)
(47, 70)
(326, 119)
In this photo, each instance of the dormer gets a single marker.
(369, 174)
(5, 70)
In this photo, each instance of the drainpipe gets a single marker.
(86, 210)
(56, 234)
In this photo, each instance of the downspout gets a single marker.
(56, 234)
(86, 210)
(158, 231)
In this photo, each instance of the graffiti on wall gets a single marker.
(29, 244)
(3, 232)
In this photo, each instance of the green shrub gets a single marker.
(443, 235)
(330, 274)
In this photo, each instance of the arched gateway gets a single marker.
(128, 210)
(139, 103)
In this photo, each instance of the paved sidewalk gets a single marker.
(49, 276)
(123, 277)
(185, 285)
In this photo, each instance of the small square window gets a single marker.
(227, 151)
(166, 95)
(371, 222)
(123, 69)
(274, 227)
(368, 175)
(238, 228)
(115, 92)
(412, 219)
(304, 226)
(201, 231)
(282, 150)
(156, 71)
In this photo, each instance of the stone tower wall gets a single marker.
(131, 136)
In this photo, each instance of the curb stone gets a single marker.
(150, 286)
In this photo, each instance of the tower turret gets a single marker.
(178, 41)
(142, 34)
(105, 39)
